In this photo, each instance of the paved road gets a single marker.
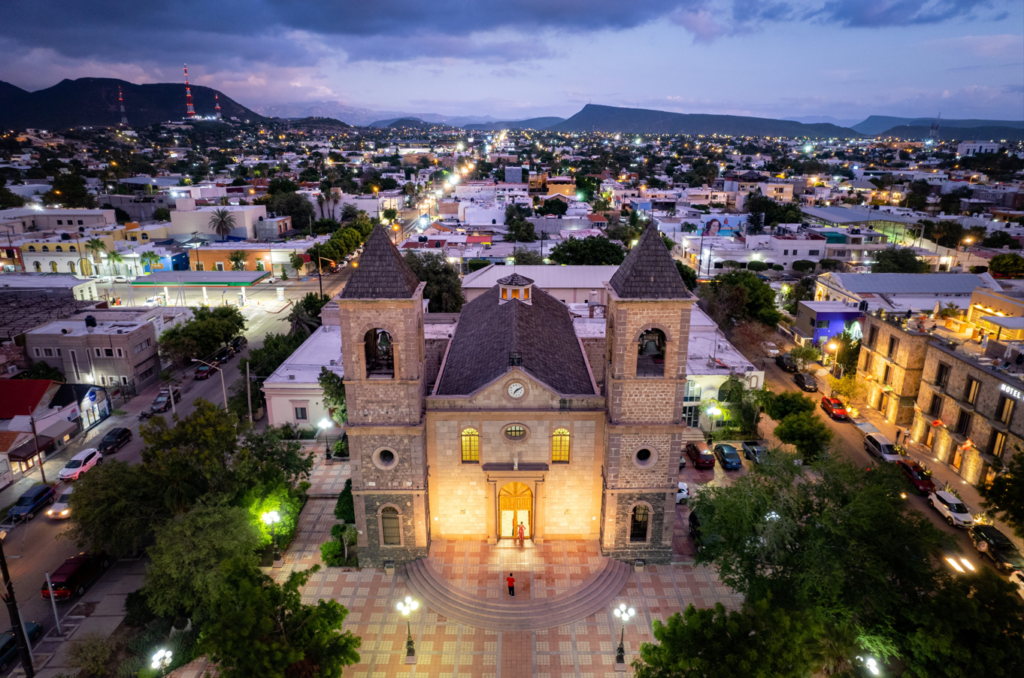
(35, 548)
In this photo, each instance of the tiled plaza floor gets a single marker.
(328, 478)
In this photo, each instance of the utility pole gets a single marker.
(12, 609)
(35, 439)
(248, 390)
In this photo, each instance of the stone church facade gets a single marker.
(518, 427)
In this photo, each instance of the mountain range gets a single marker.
(532, 123)
(93, 102)
(877, 124)
(365, 117)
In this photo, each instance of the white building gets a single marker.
(971, 148)
(188, 219)
(293, 391)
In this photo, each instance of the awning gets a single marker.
(27, 450)
(59, 429)
(1007, 323)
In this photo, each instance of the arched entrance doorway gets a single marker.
(515, 505)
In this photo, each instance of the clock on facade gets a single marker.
(516, 390)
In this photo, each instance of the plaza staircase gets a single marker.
(519, 614)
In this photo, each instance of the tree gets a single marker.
(114, 260)
(150, 259)
(759, 641)
(898, 260)
(390, 214)
(96, 248)
(590, 251)
(755, 223)
(830, 264)
(260, 628)
(688, 275)
(269, 459)
(757, 266)
(222, 222)
(1007, 265)
(237, 259)
(804, 266)
(778, 406)
(805, 354)
(297, 262)
(849, 386)
(281, 185)
(184, 575)
(521, 230)
(1004, 496)
(295, 206)
(69, 190)
(8, 198)
(758, 297)
(209, 329)
(444, 289)
(1000, 239)
(41, 370)
(525, 257)
(334, 395)
(807, 433)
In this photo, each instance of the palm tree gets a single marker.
(335, 199)
(237, 259)
(95, 247)
(113, 259)
(222, 222)
(149, 258)
(320, 201)
(302, 321)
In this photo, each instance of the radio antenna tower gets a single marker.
(190, 111)
(933, 133)
(216, 108)
(120, 100)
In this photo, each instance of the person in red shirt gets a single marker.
(511, 585)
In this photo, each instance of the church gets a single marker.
(514, 419)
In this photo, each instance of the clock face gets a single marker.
(516, 390)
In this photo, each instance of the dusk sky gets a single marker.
(521, 58)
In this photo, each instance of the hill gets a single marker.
(595, 118)
(876, 124)
(989, 133)
(93, 102)
(407, 122)
(316, 124)
(532, 123)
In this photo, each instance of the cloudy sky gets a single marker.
(520, 58)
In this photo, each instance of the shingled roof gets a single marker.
(649, 272)
(515, 280)
(491, 336)
(382, 272)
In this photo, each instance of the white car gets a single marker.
(1017, 579)
(80, 463)
(120, 279)
(770, 348)
(682, 493)
(950, 506)
(879, 446)
(59, 510)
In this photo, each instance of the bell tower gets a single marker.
(646, 334)
(381, 312)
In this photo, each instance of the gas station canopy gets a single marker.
(201, 279)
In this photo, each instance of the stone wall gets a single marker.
(595, 349)
(373, 553)
(384, 401)
(434, 350)
(617, 544)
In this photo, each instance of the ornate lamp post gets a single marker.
(324, 425)
(161, 660)
(625, 615)
(272, 518)
(407, 607)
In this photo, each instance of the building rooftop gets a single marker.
(76, 327)
(303, 366)
(34, 281)
(854, 215)
(544, 277)
(649, 272)
(913, 283)
(830, 306)
(382, 272)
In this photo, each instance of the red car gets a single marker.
(917, 476)
(75, 574)
(203, 372)
(700, 455)
(834, 408)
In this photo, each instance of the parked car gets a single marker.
(9, 654)
(120, 279)
(1017, 579)
(833, 407)
(204, 371)
(77, 572)
(222, 356)
(949, 505)
(115, 439)
(682, 492)
(239, 343)
(754, 450)
(80, 463)
(770, 348)
(700, 455)
(917, 476)
(997, 546)
(879, 446)
(728, 457)
(59, 510)
(786, 362)
(805, 382)
(163, 400)
(30, 503)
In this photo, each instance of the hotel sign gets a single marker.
(1011, 391)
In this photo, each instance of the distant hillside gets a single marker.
(317, 124)
(407, 122)
(876, 124)
(957, 133)
(594, 118)
(532, 123)
(93, 102)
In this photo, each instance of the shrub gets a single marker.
(91, 653)
(804, 266)
(778, 267)
(332, 554)
(345, 509)
(757, 266)
(137, 610)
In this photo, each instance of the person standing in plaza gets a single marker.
(522, 535)
(898, 433)
(511, 585)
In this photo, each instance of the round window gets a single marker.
(515, 432)
(384, 459)
(645, 457)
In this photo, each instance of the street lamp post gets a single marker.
(625, 615)
(834, 347)
(407, 607)
(712, 412)
(272, 518)
(161, 660)
(223, 389)
(325, 424)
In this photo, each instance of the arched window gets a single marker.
(71, 266)
(53, 266)
(72, 248)
(650, 360)
(390, 526)
(46, 248)
(560, 446)
(37, 266)
(31, 248)
(380, 359)
(470, 446)
(638, 523)
(58, 248)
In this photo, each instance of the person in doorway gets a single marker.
(511, 585)
(522, 535)
(906, 437)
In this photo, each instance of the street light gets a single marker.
(625, 615)
(834, 348)
(407, 607)
(325, 424)
(272, 518)
(161, 660)
(224, 390)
